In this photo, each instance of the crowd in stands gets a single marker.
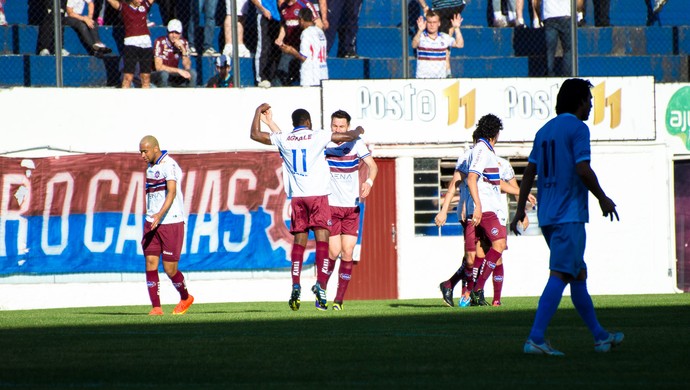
(276, 32)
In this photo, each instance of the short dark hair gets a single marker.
(300, 117)
(572, 93)
(305, 14)
(342, 115)
(488, 127)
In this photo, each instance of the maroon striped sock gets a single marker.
(344, 275)
(498, 282)
(322, 263)
(153, 285)
(297, 257)
(180, 285)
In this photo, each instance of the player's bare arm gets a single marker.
(525, 188)
(348, 135)
(365, 187)
(472, 178)
(442, 215)
(589, 179)
(170, 193)
(255, 132)
(267, 118)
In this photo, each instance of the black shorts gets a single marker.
(133, 55)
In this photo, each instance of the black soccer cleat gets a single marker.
(447, 294)
(294, 301)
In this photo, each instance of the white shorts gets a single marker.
(241, 5)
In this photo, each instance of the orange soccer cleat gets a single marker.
(156, 311)
(182, 307)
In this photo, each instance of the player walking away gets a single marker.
(302, 151)
(346, 191)
(164, 227)
(561, 157)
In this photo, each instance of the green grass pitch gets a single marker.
(370, 344)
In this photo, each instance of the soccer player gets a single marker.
(467, 271)
(164, 227)
(560, 157)
(346, 191)
(308, 184)
(484, 183)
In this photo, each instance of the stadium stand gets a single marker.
(627, 48)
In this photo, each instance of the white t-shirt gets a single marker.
(78, 5)
(303, 160)
(313, 47)
(343, 161)
(157, 176)
(555, 9)
(485, 164)
(431, 56)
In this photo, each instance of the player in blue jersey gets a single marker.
(560, 157)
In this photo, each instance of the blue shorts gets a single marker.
(567, 244)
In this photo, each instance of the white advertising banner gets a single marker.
(673, 116)
(446, 110)
(97, 120)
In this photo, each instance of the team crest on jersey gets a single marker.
(494, 232)
(141, 8)
(157, 174)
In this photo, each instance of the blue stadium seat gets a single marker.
(6, 37)
(11, 70)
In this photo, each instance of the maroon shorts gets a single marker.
(309, 212)
(491, 227)
(165, 239)
(345, 221)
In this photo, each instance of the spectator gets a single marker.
(343, 20)
(556, 19)
(653, 9)
(601, 11)
(222, 77)
(85, 25)
(242, 7)
(519, 12)
(288, 70)
(137, 44)
(445, 9)
(167, 9)
(209, 7)
(312, 51)
(432, 45)
(3, 20)
(499, 19)
(166, 59)
(46, 31)
(267, 53)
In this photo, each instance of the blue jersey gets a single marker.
(558, 147)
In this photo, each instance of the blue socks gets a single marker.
(548, 303)
(585, 307)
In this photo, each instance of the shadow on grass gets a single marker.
(372, 344)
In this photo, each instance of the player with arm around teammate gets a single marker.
(164, 226)
(346, 191)
(561, 157)
(302, 151)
